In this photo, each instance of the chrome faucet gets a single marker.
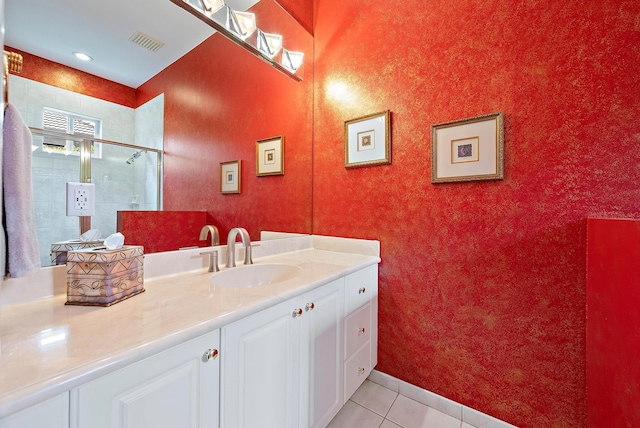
(231, 246)
(215, 236)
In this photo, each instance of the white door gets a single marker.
(175, 388)
(260, 369)
(322, 338)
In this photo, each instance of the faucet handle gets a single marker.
(248, 259)
(213, 260)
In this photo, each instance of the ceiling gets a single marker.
(54, 29)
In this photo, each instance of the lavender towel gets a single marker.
(23, 256)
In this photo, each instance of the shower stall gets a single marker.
(126, 177)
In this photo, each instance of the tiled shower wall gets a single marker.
(119, 185)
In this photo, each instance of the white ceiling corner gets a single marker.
(54, 29)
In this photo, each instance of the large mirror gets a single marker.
(215, 101)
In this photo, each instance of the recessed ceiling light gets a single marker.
(82, 56)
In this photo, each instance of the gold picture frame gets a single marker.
(367, 140)
(270, 156)
(231, 177)
(468, 149)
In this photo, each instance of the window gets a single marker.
(69, 123)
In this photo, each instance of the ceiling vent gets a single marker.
(146, 42)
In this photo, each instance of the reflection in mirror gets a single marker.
(216, 101)
(240, 28)
(219, 103)
(126, 176)
(50, 111)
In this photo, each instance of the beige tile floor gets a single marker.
(374, 406)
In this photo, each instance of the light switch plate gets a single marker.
(81, 199)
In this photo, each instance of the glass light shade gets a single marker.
(211, 6)
(242, 24)
(292, 60)
(269, 44)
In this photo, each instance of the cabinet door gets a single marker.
(53, 413)
(176, 388)
(322, 362)
(261, 369)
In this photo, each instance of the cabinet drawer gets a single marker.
(356, 370)
(358, 289)
(358, 330)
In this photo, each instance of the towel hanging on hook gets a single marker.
(11, 62)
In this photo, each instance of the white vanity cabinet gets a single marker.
(281, 367)
(361, 327)
(291, 365)
(295, 364)
(53, 413)
(178, 387)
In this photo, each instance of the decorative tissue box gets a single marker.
(104, 277)
(59, 250)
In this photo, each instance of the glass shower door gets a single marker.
(126, 177)
(50, 171)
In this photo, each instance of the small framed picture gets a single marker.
(367, 140)
(230, 176)
(270, 156)
(468, 149)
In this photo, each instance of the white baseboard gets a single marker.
(438, 402)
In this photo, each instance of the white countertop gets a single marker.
(47, 347)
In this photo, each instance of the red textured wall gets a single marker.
(55, 74)
(160, 231)
(482, 284)
(301, 10)
(216, 110)
(613, 323)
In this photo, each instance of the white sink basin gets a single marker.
(254, 275)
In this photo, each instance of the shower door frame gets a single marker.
(85, 163)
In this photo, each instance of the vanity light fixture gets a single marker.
(269, 44)
(211, 6)
(242, 24)
(82, 56)
(292, 60)
(241, 29)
